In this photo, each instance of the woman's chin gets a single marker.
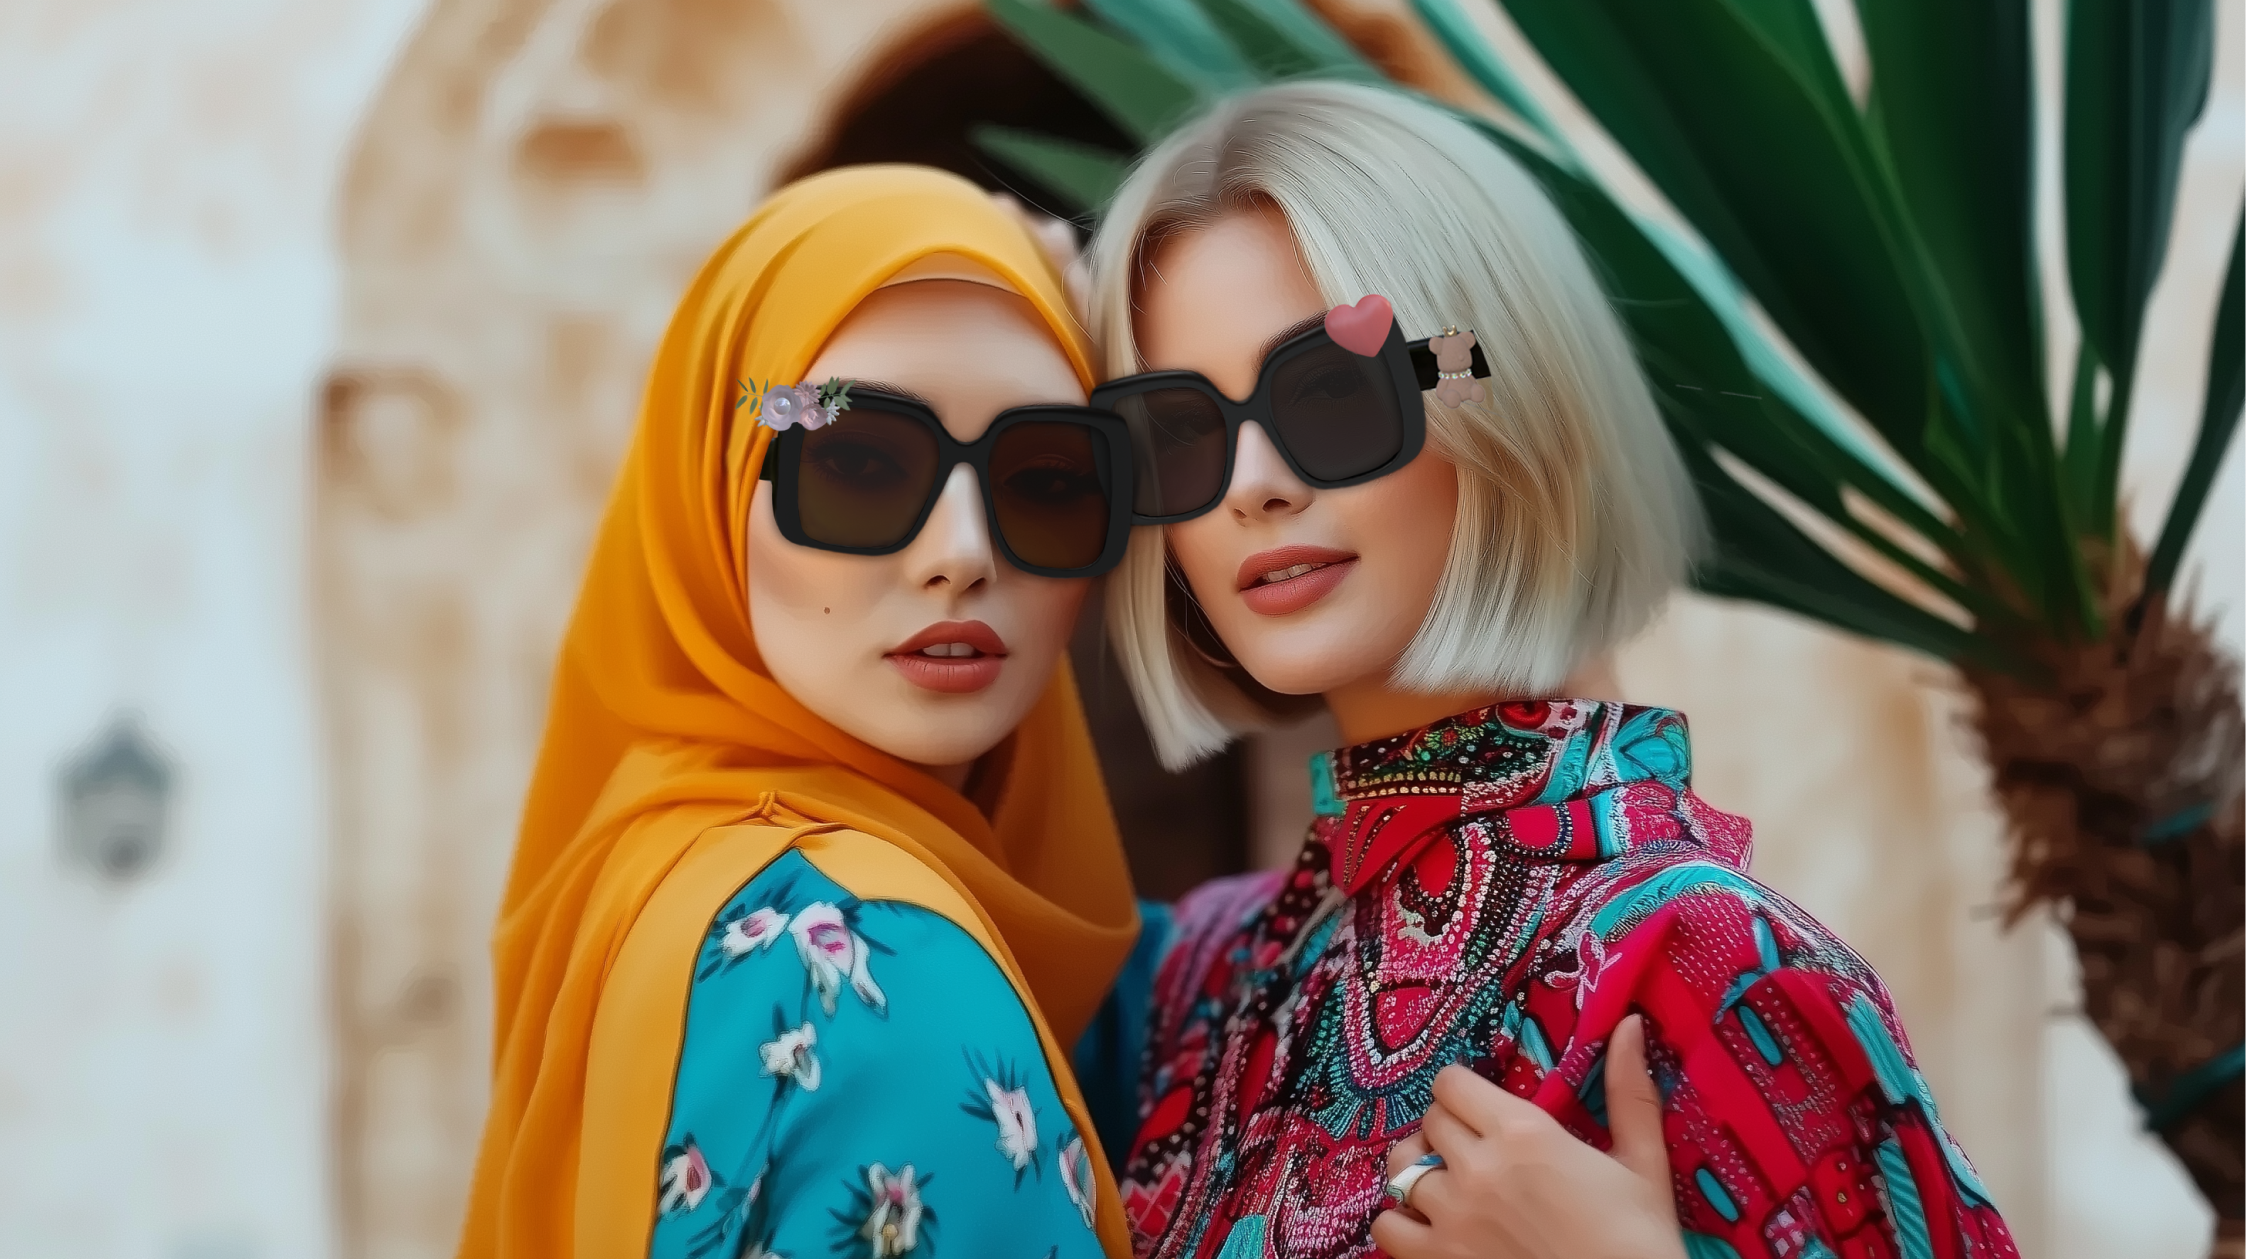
(934, 728)
(1295, 676)
(1316, 660)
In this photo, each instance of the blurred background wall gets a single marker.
(321, 327)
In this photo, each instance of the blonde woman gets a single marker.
(1402, 461)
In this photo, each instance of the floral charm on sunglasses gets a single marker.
(783, 407)
(1454, 367)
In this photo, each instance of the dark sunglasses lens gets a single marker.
(1336, 412)
(1177, 443)
(1051, 486)
(863, 479)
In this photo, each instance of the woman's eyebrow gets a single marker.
(1286, 334)
(897, 391)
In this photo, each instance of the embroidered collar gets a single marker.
(1556, 780)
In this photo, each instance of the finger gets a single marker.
(1447, 1136)
(1057, 238)
(1407, 1152)
(1401, 1236)
(1479, 1104)
(1442, 1193)
(1634, 1104)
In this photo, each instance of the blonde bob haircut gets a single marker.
(1575, 516)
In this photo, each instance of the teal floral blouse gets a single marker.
(858, 1078)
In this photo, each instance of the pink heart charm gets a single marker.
(1363, 328)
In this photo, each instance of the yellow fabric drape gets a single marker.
(664, 731)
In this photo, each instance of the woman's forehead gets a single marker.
(1217, 298)
(970, 349)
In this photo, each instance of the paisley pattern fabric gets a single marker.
(1500, 889)
(858, 1078)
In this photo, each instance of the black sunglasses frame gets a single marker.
(1411, 367)
(783, 456)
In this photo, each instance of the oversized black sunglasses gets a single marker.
(1056, 481)
(1337, 417)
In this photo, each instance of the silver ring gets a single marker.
(1398, 1191)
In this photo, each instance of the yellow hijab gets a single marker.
(666, 739)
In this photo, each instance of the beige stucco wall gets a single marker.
(320, 326)
(168, 287)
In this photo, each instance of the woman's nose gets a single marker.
(953, 553)
(1263, 486)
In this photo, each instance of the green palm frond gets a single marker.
(1890, 243)
(2137, 79)
(2218, 419)
(1085, 174)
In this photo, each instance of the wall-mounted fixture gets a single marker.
(116, 799)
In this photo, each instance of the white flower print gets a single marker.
(892, 1224)
(1076, 1176)
(1017, 1123)
(830, 950)
(790, 1056)
(1591, 961)
(685, 1180)
(759, 930)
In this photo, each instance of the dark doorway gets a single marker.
(917, 104)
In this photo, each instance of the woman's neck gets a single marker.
(1375, 707)
(952, 776)
(977, 779)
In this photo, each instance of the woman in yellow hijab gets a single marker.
(817, 877)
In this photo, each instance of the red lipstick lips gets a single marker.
(951, 657)
(1290, 578)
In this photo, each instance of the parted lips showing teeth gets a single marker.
(952, 640)
(951, 657)
(1285, 563)
(1284, 574)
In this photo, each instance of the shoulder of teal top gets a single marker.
(860, 1075)
(1107, 1055)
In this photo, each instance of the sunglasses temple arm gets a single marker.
(771, 469)
(1423, 365)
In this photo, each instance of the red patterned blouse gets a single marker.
(1500, 889)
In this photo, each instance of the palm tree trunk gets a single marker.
(2120, 772)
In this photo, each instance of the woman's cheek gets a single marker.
(808, 609)
(1198, 548)
(1413, 514)
(783, 577)
(1048, 608)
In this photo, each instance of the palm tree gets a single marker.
(1915, 484)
